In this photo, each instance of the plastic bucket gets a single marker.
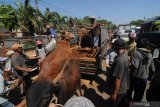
(51, 45)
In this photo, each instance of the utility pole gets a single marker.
(36, 4)
(144, 18)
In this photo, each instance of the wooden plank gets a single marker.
(82, 54)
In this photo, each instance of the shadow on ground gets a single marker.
(93, 87)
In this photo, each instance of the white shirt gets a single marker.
(8, 64)
(111, 54)
(41, 53)
(2, 88)
(96, 40)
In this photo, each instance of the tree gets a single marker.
(60, 21)
(103, 21)
(110, 25)
(8, 17)
(137, 22)
(28, 18)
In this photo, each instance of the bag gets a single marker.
(14, 96)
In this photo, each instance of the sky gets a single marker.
(117, 11)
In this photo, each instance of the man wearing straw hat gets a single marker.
(18, 62)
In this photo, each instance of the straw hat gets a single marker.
(48, 26)
(16, 46)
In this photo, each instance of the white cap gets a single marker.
(79, 102)
(92, 17)
(10, 52)
(113, 40)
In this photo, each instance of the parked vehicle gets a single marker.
(153, 90)
(124, 33)
(153, 37)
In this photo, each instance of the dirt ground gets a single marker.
(94, 87)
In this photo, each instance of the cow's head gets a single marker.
(65, 35)
(41, 93)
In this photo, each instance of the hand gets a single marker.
(113, 97)
(6, 69)
(12, 87)
(107, 65)
(37, 57)
(17, 81)
(28, 69)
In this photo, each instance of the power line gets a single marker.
(59, 8)
(94, 11)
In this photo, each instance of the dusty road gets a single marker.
(94, 86)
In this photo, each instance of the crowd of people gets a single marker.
(14, 71)
(128, 69)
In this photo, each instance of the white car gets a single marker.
(124, 33)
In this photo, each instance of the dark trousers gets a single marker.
(121, 101)
(27, 82)
(130, 90)
(139, 86)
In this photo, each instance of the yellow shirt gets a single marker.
(131, 47)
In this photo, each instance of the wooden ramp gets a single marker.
(88, 61)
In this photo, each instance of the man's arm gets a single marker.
(16, 65)
(113, 96)
(152, 67)
(22, 69)
(117, 85)
(135, 60)
(118, 75)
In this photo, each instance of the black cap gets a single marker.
(119, 43)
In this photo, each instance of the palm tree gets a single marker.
(60, 21)
(28, 18)
(53, 18)
(8, 17)
(48, 16)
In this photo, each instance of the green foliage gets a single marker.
(8, 17)
(30, 45)
(137, 22)
(103, 21)
(30, 19)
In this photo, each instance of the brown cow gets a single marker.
(86, 36)
(43, 88)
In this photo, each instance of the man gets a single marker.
(110, 55)
(141, 62)
(8, 62)
(131, 44)
(4, 86)
(41, 52)
(18, 62)
(131, 47)
(119, 77)
(50, 32)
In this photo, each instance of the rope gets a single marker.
(59, 76)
